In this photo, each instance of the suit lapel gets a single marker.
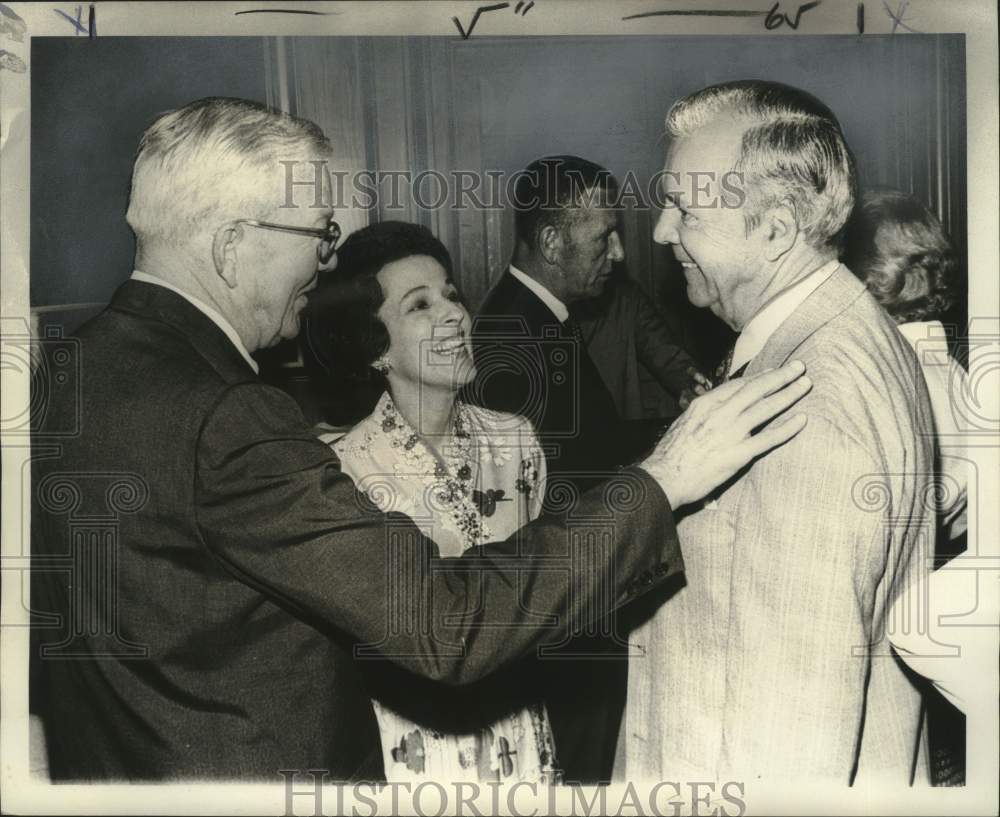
(543, 322)
(511, 300)
(155, 303)
(835, 295)
(513, 297)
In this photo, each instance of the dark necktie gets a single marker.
(723, 367)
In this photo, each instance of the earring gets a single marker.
(382, 365)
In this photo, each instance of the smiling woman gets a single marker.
(465, 475)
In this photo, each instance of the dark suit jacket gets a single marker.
(215, 574)
(528, 363)
(625, 330)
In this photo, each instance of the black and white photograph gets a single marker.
(552, 407)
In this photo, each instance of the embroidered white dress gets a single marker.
(488, 483)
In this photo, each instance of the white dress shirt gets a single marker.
(212, 314)
(774, 313)
(557, 307)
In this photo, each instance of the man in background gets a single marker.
(532, 360)
(625, 332)
(529, 350)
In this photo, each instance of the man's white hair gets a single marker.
(792, 151)
(215, 160)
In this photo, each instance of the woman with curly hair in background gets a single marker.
(901, 251)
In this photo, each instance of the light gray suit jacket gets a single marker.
(772, 662)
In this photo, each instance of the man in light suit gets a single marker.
(772, 662)
(208, 583)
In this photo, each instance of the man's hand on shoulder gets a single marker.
(714, 438)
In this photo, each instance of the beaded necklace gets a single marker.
(449, 478)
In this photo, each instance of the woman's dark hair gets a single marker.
(343, 335)
(902, 253)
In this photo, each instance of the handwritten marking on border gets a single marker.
(12, 62)
(12, 25)
(775, 20)
(475, 18)
(697, 13)
(898, 16)
(772, 18)
(286, 11)
(76, 23)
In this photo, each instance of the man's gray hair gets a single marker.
(215, 160)
(792, 151)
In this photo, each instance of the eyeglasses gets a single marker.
(328, 236)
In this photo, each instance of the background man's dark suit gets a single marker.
(530, 363)
(248, 569)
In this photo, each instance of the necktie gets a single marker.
(721, 371)
(723, 368)
(572, 328)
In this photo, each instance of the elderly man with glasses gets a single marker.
(209, 587)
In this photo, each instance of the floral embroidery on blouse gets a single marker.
(496, 449)
(487, 481)
(482, 440)
(527, 482)
(448, 482)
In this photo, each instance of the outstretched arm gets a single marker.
(275, 509)
(673, 368)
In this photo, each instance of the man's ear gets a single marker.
(550, 243)
(224, 244)
(781, 228)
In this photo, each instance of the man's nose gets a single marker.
(665, 231)
(617, 250)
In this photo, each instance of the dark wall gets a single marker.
(900, 100)
(479, 104)
(90, 102)
(493, 104)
